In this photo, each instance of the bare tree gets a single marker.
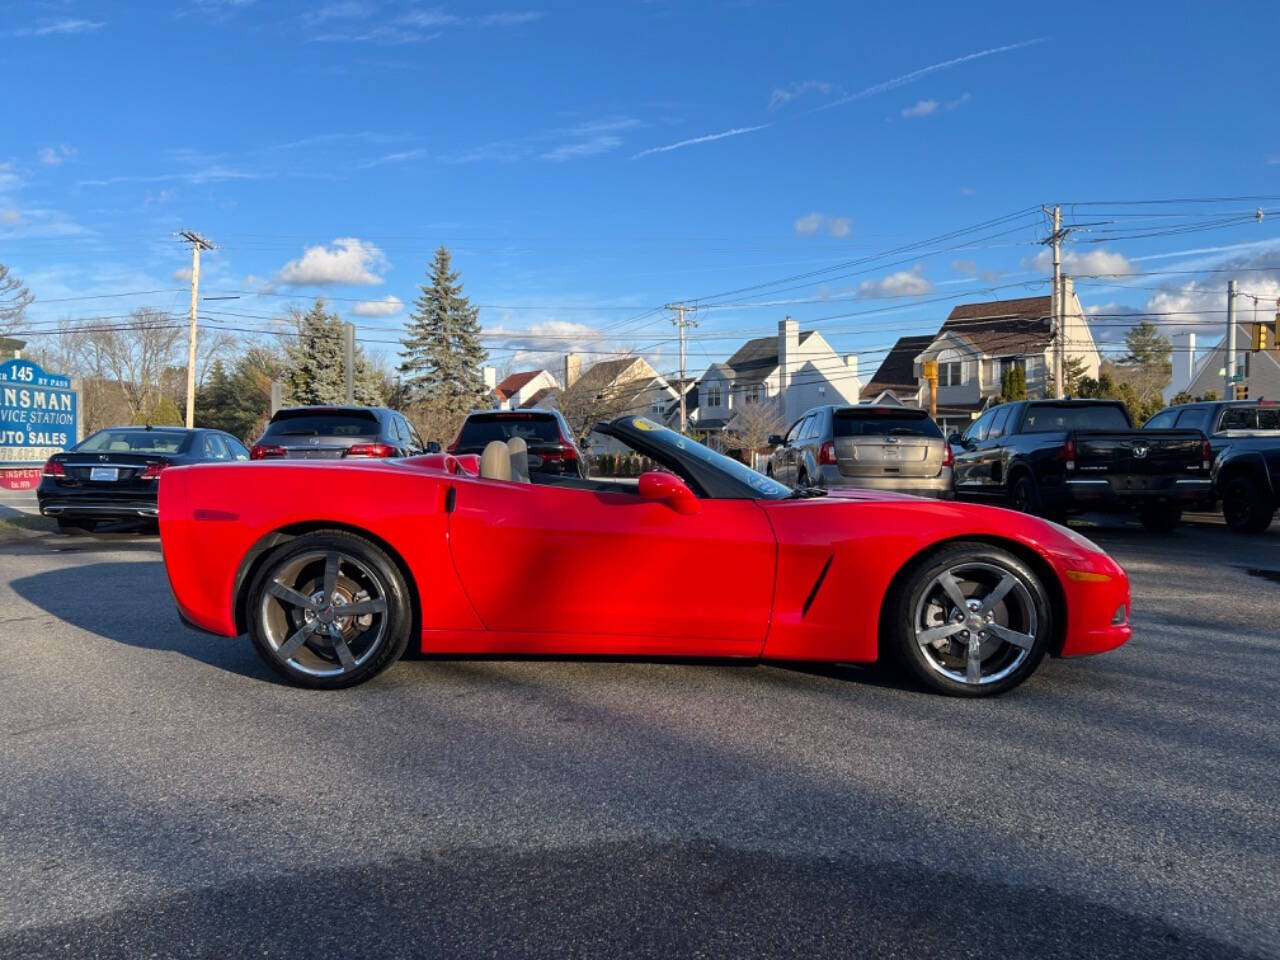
(14, 300)
(753, 424)
(138, 355)
(609, 389)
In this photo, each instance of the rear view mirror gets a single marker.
(669, 489)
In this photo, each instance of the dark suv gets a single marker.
(331, 433)
(551, 447)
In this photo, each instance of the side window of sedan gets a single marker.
(797, 428)
(997, 425)
(214, 449)
(235, 448)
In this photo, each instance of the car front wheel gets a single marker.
(969, 620)
(329, 610)
(1245, 507)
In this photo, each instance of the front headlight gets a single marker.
(1079, 539)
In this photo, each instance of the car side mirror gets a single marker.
(433, 446)
(775, 440)
(955, 440)
(669, 489)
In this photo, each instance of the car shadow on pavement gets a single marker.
(104, 599)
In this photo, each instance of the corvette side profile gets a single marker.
(333, 569)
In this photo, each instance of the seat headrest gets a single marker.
(495, 462)
(519, 451)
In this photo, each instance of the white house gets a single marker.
(628, 385)
(1259, 370)
(976, 348)
(798, 369)
(518, 389)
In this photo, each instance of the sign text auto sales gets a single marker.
(37, 412)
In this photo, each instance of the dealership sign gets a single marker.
(38, 418)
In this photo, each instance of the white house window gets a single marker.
(713, 396)
(1008, 363)
(950, 374)
(751, 394)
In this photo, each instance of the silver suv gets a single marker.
(876, 447)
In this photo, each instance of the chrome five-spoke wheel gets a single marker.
(974, 620)
(329, 610)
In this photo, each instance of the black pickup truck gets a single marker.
(1246, 475)
(1053, 457)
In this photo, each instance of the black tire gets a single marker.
(313, 636)
(1024, 495)
(768, 470)
(72, 525)
(978, 569)
(1161, 518)
(802, 479)
(1245, 506)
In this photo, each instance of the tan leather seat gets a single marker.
(495, 462)
(519, 451)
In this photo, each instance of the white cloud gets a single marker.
(509, 18)
(211, 174)
(543, 344)
(401, 156)
(1084, 263)
(784, 95)
(53, 156)
(811, 223)
(349, 262)
(922, 108)
(968, 267)
(904, 283)
(959, 101)
(181, 275)
(386, 307)
(707, 138)
(409, 27)
(53, 27)
(9, 179)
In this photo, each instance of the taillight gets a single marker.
(452, 448)
(153, 471)
(566, 451)
(1206, 453)
(54, 468)
(827, 453)
(370, 450)
(948, 455)
(263, 451)
(1069, 454)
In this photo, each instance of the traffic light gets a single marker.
(1263, 336)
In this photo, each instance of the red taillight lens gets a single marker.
(370, 450)
(54, 468)
(566, 452)
(153, 471)
(1206, 453)
(827, 453)
(1069, 454)
(263, 451)
(948, 455)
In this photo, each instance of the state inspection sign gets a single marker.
(39, 416)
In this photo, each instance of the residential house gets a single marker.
(1259, 371)
(797, 369)
(518, 389)
(976, 348)
(615, 388)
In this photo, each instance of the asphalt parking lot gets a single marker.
(162, 795)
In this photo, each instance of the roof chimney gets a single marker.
(788, 361)
(572, 369)
(490, 377)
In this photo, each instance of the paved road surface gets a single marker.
(160, 795)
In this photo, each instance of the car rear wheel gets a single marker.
(1160, 519)
(1245, 507)
(970, 620)
(329, 610)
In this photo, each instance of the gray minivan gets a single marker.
(874, 446)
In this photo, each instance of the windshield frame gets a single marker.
(709, 474)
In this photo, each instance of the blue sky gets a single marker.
(590, 162)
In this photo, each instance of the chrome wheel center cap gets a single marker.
(325, 615)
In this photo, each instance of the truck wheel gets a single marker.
(1025, 496)
(1245, 507)
(1160, 519)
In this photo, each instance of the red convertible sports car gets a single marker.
(333, 569)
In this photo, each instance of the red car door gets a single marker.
(554, 569)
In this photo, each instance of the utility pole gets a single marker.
(1229, 368)
(682, 321)
(198, 243)
(1059, 310)
(349, 356)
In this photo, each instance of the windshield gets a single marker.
(533, 428)
(135, 441)
(884, 423)
(1050, 417)
(324, 424)
(680, 447)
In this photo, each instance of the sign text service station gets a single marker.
(39, 416)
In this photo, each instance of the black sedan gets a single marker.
(111, 475)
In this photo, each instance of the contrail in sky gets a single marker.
(882, 87)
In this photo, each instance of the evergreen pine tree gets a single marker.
(443, 356)
(315, 364)
(1014, 385)
(216, 404)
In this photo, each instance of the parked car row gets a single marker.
(1052, 457)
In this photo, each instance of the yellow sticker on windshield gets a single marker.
(643, 424)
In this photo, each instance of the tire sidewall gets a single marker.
(399, 614)
(901, 628)
(1252, 517)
